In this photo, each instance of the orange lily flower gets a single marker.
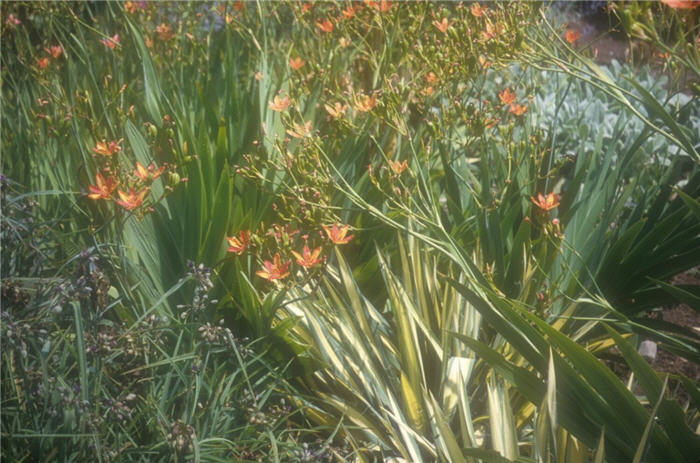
(442, 25)
(306, 7)
(517, 109)
(148, 174)
(382, 5)
(133, 7)
(366, 103)
(300, 131)
(103, 188)
(240, 244)
(338, 234)
(477, 10)
(349, 12)
(107, 149)
(398, 167)
(164, 32)
(308, 258)
(274, 270)
(325, 26)
(507, 96)
(682, 4)
(131, 200)
(572, 36)
(546, 203)
(111, 42)
(42, 63)
(280, 104)
(55, 51)
(296, 63)
(337, 110)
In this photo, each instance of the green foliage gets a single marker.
(438, 217)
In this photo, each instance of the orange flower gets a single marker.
(681, 4)
(102, 189)
(280, 104)
(366, 103)
(240, 244)
(349, 12)
(337, 110)
(477, 10)
(164, 32)
(131, 200)
(111, 42)
(300, 131)
(325, 25)
(308, 258)
(546, 203)
(507, 96)
(398, 167)
(517, 109)
(306, 7)
(442, 25)
(107, 149)
(337, 234)
(274, 270)
(431, 77)
(42, 63)
(296, 63)
(572, 36)
(382, 5)
(131, 7)
(148, 174)
(55, 51)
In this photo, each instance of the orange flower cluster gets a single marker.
(164, 32)
(508, 98)
(277, 269)
(139, 184)
(55, 52)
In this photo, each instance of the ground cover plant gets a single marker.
(346, 231)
